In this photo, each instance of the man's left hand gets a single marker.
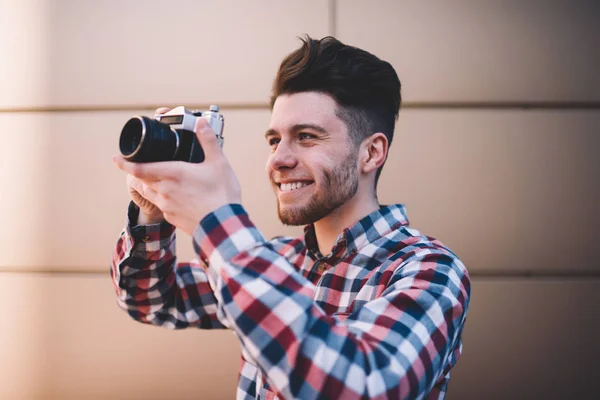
(187, 192)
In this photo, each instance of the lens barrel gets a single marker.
(146, 140)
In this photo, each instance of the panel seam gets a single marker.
(430, 105)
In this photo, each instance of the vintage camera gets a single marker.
(169, 136)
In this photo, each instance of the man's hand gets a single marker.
(186, 192)
(149, 213)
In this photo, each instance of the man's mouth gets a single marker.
(291, 186)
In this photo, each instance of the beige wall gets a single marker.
(495, 154)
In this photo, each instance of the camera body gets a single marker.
(169, 136)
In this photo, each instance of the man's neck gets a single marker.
(329, 228)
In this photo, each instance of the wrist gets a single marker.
(137, 217)
(149, 219)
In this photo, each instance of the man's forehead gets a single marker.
(305, 108)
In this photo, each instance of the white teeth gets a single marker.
(286, 187)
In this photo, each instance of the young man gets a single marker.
(360, 306)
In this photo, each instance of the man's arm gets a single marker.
(396, 346)
(151, 287)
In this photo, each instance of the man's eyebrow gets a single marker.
(270, 132)
(297, 128)
(301, 127)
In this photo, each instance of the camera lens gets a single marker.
(131, 136)
(147, 140)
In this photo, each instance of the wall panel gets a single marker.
(64, 337)
(482, 51)
(507, 190)
(113, 53)
(24, 46)
(530, 339)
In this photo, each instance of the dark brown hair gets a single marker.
(366, 89)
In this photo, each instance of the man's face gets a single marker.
(313, 164)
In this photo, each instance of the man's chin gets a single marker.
(290, 222)
(293, 216)
(290, 218)
(299, 216)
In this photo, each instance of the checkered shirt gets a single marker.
(380, 317)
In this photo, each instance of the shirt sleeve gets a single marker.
(151, 287)
(396, 346)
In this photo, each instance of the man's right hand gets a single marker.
(149, 213)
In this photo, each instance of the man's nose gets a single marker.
(283, 157)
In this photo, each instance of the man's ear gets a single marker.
(374, 151)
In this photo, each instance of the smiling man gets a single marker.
(360, 306)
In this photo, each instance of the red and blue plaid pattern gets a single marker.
(380, 317)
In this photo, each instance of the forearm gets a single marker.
(381, 350)
(152, 288)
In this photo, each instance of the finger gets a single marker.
(162, 187)
(161, 110)
(207, 138)
(144, 190)
(154, 171)
(131, 181)
(134, 183)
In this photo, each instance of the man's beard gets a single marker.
(340, 185)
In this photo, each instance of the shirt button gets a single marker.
(322, 267)
(146, 239)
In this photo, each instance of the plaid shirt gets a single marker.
(380, 317)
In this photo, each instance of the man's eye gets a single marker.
(304, 136)
(273, 141)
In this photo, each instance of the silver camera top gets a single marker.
(182, 118)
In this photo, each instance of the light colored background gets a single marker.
(496, 154)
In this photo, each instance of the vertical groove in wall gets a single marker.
(332, 18)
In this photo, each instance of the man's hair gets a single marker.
(366, 89)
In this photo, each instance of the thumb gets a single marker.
(207, 138)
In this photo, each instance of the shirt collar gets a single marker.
(365, 231)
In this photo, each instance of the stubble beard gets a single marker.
(340, 185)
